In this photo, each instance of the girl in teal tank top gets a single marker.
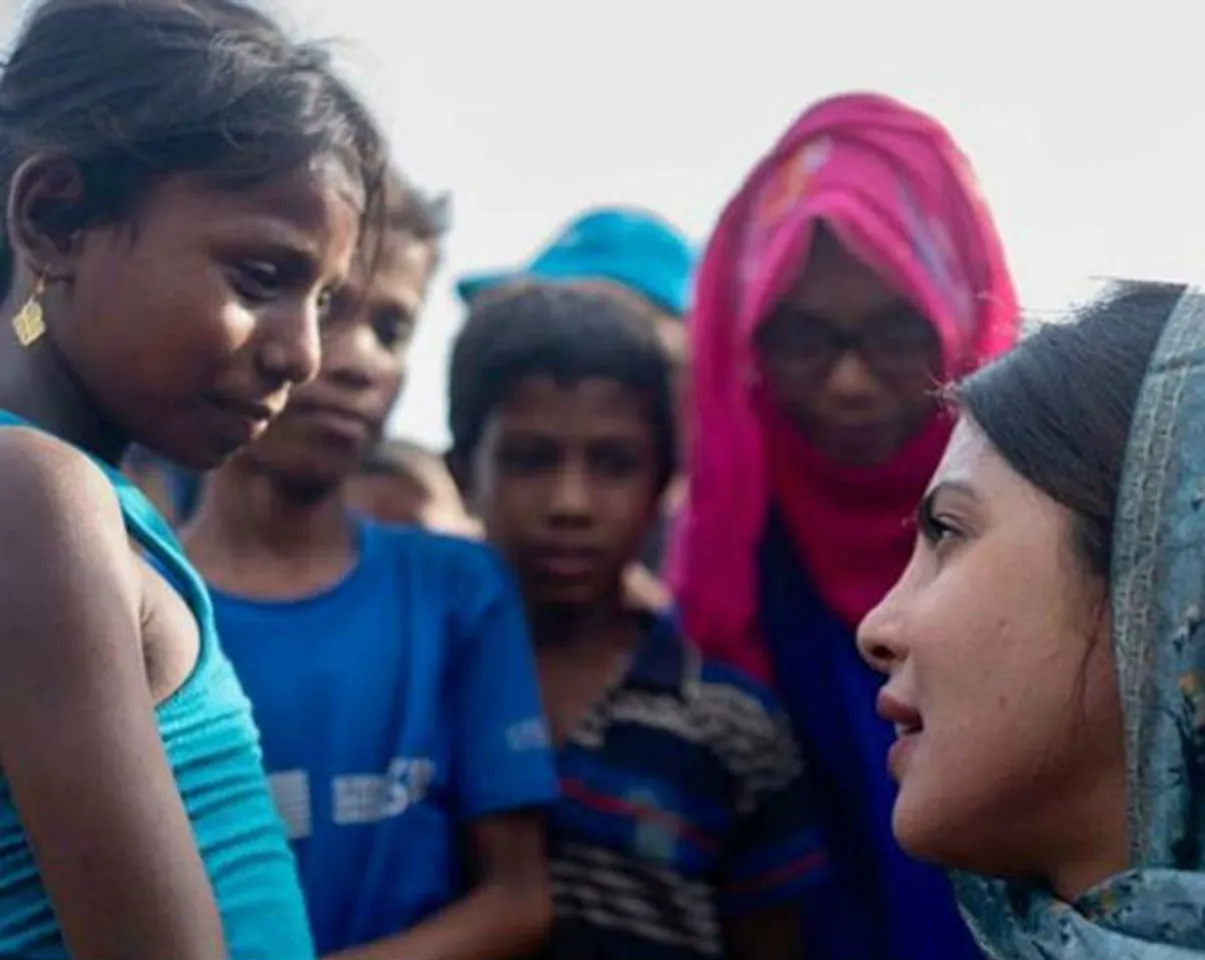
(212, 747)
(185, 188)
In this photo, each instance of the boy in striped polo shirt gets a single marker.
(684, 830)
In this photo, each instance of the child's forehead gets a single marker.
(306, 192)
(300, 205)
(569, 408)
(549, 391)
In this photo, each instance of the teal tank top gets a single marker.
(213, 747)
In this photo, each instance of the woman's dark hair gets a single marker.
(133, 90)
(1058, 407)
(570, 332)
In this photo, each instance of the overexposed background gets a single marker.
(1085, 126)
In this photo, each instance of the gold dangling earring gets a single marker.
(29, 324)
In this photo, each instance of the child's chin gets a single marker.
(568, 595)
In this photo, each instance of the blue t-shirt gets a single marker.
(394, 708)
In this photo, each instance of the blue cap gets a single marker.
(630, 247)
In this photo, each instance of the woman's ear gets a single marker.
(45, 215)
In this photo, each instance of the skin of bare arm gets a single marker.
(505, 915)
(79, 745)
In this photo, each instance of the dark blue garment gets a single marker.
(879, 904)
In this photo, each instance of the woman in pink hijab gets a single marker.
(856, 270)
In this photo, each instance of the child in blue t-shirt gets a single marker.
(390, 668)
(683, 831)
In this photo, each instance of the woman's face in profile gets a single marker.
(995, 641)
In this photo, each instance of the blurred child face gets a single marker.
(331, 424)
(565, 482)
(188, 329)
(851, 362)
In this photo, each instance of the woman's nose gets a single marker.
(878, 638)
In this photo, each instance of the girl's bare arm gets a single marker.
(78, 740)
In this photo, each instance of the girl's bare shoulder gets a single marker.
(45, 478)
(59, 518)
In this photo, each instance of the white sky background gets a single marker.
(1087, 128)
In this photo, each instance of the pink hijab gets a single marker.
(893, 186)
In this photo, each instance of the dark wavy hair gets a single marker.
(135, 90)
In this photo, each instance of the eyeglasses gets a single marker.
(891, 345)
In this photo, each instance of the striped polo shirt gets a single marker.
(683, 804)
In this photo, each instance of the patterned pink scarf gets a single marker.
(897, 192)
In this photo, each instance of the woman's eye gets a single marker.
(935, 528)
(939, 530)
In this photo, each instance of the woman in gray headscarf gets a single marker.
(1046, 644)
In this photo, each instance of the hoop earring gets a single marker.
(29, 325)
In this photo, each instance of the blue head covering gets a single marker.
(630, 247)
(1156, 910)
